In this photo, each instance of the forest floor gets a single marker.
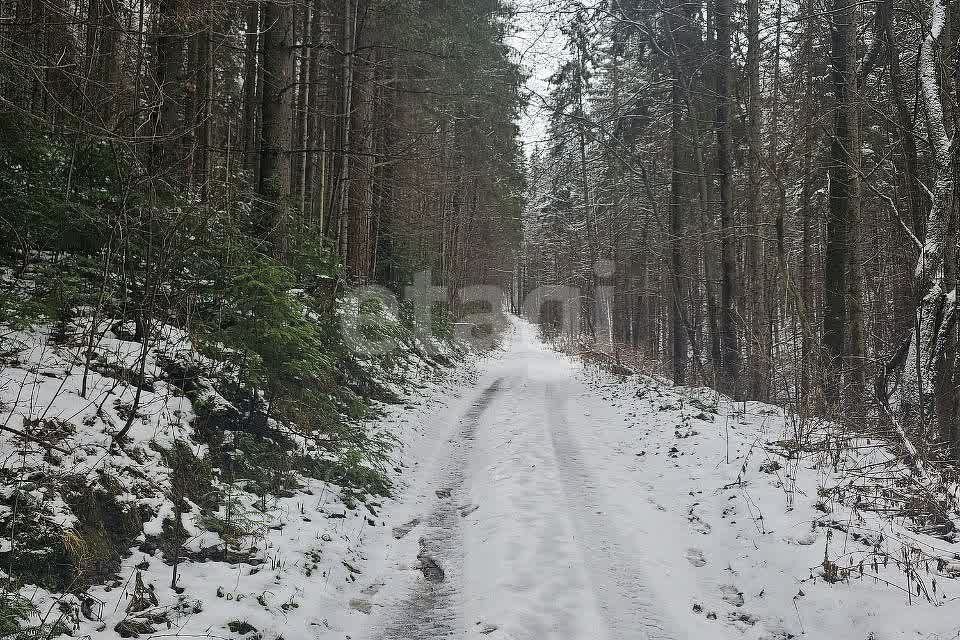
(551, 501)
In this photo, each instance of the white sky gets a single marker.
(538, 44)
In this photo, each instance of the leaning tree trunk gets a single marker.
(915, 394)
(903, 308)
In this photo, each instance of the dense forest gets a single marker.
(760, 196)
(192, 163)
(189, 193)
(256, 264)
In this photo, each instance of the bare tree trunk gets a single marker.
(91, 86)
(842, 337)
(202, 73)
(276, 122)
(107, 99)
(167, 64)
(346, 125)
(806, 310)
(360, 205)
(677, 297)
(904, 303)
(251, 96)
(313, 189)
(779, 282)
(730, 350)
(300, 114)
(755, 347)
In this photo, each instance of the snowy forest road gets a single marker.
(517, 537)
(544, 499)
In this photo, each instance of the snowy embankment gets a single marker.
(272, 521)
(740, 540)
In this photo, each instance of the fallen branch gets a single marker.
(37, 440)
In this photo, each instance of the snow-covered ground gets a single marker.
(539, 498)
(561, 503)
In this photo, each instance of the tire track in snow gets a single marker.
(621, 584)
(526, 573)
(430, 610)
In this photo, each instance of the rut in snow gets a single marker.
(623, 591)
(429, 611)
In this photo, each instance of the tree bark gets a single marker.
(677, 298)
(340, 210)
(360, 203)
(276, 117)
(806, 306)
(313, 185)
(167, 65)
(754, 276)
(842, 310)
(250, 133)
(730, 350)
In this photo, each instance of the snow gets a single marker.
(602, 514)
(538, 498)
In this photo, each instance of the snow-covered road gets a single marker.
(531, 542)
(550, 503)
